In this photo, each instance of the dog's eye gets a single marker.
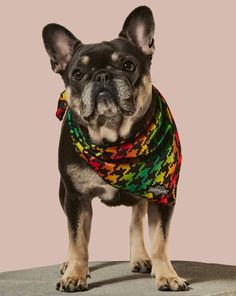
(77, 74)
(128, 66)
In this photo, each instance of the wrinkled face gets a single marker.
(108, 84)
(104, 80)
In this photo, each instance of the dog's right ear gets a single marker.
(59, 44)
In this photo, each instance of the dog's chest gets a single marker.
(89, 184)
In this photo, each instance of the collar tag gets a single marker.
(158, 190)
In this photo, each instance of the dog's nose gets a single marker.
(103, 76)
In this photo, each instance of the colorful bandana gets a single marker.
(147, 166)
(61, 105)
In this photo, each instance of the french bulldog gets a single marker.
(110, 96)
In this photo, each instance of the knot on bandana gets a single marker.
(147, 165)
(61, 105)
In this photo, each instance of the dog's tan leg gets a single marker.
(162, 270)
(139, 259)
(64, 265)
(76, 273)
(62, 196)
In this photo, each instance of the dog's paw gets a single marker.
(172, 283)
(143, 266)
(63, 267)
(71, 284)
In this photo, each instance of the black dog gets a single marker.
(110, 96)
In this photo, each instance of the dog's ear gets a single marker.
(59, 44)
(139, 28)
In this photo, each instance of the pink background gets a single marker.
(194, 67)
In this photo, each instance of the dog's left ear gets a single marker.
(139, 28)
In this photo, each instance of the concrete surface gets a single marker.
(115, 279)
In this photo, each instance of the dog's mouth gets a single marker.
(114, 98)
(106, 102)
(103, 93)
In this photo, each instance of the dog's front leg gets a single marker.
(162, 270)
(79, 216)
(139, 259)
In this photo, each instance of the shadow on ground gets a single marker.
(197, 272)
(194, 272)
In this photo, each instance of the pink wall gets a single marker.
(194, 67)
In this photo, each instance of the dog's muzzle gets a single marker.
(107, 96)
(105, 103)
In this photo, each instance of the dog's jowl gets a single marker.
(118, 142)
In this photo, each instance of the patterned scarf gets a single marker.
(147, 165)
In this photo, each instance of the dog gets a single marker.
(118, 142)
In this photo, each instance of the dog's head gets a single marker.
(108, 84)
